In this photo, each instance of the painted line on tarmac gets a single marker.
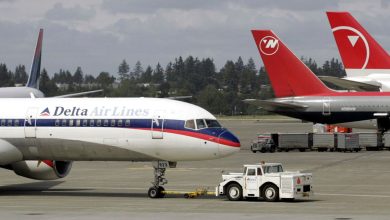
(352, 195)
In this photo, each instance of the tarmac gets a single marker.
(346, 186)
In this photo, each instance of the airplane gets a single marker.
(32, 87)
(300, 94)
(40, 137)
(366, 63)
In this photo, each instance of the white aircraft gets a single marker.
(32, 86)
(40, 137)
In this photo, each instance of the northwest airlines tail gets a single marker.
(33, 80)
(288, 75)
(360, 53)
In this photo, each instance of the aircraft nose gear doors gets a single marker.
(157, 191)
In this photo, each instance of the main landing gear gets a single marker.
(157, 191)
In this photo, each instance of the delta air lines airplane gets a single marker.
(56, 131)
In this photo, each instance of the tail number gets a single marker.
(269, 45)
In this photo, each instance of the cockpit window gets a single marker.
(200, 123)
(212, 123)
(190, 124)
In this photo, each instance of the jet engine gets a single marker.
(42, 169)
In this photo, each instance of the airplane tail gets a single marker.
(358, 49)
(288, 74)
(33, 80)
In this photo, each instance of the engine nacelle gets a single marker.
(42, 170)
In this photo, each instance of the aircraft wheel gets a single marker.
(156, 192)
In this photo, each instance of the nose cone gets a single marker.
(228, 143)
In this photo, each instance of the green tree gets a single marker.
(78, 77)
(105, 80)
(123, 71)
(158, 74)
(20, 74)
(137, 71)
(47, 86)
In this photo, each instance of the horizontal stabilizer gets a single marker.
(78, 94)
(274, 106)
(351, 85)
(179, 97)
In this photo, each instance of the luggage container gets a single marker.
(386, 140)
(290, 141)
(370, 140)
(347, 142)
(323, 142)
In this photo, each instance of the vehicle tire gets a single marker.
(234, 192)
(253, 151)
(270, 193)
(287, 150)
(272, 150)
(263, 150)
(153, 192)
(302, 149)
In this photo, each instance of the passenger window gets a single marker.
(71, 123)
(112, 123)
(200, 123)
(105, 123)
(99, 123)
(92, 123)
(57, 122)
(190, 124)
(251, 172)
(16, 123)
(85, 123)
(78, 122)
(127, 123)
(64, 122)
(9, 122)
(119, 123)
(3, 122)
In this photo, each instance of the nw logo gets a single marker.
(45, 112)
(269, 45)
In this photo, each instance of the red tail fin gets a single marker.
(288, 75)
(358, 49)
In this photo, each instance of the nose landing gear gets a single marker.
(157, 191)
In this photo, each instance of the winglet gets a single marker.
(33, 80)
(358, 49)
(288, 74)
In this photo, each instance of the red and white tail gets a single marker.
(288, 74)
(360, 53)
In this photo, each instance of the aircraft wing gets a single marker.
(351, 85)
(275, 106)
(78, 94)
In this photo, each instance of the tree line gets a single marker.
(219, 91)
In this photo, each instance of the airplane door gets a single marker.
(157, 127)
(326, 106)
(30, 123)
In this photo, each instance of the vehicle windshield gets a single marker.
(202, 123)
(273, 169)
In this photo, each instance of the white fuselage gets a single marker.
(111, 129)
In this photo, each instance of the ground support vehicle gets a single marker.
(347, 142)
(263, 143)
(323, 142)
(370, 140)
(265, 180)
(291, 141)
